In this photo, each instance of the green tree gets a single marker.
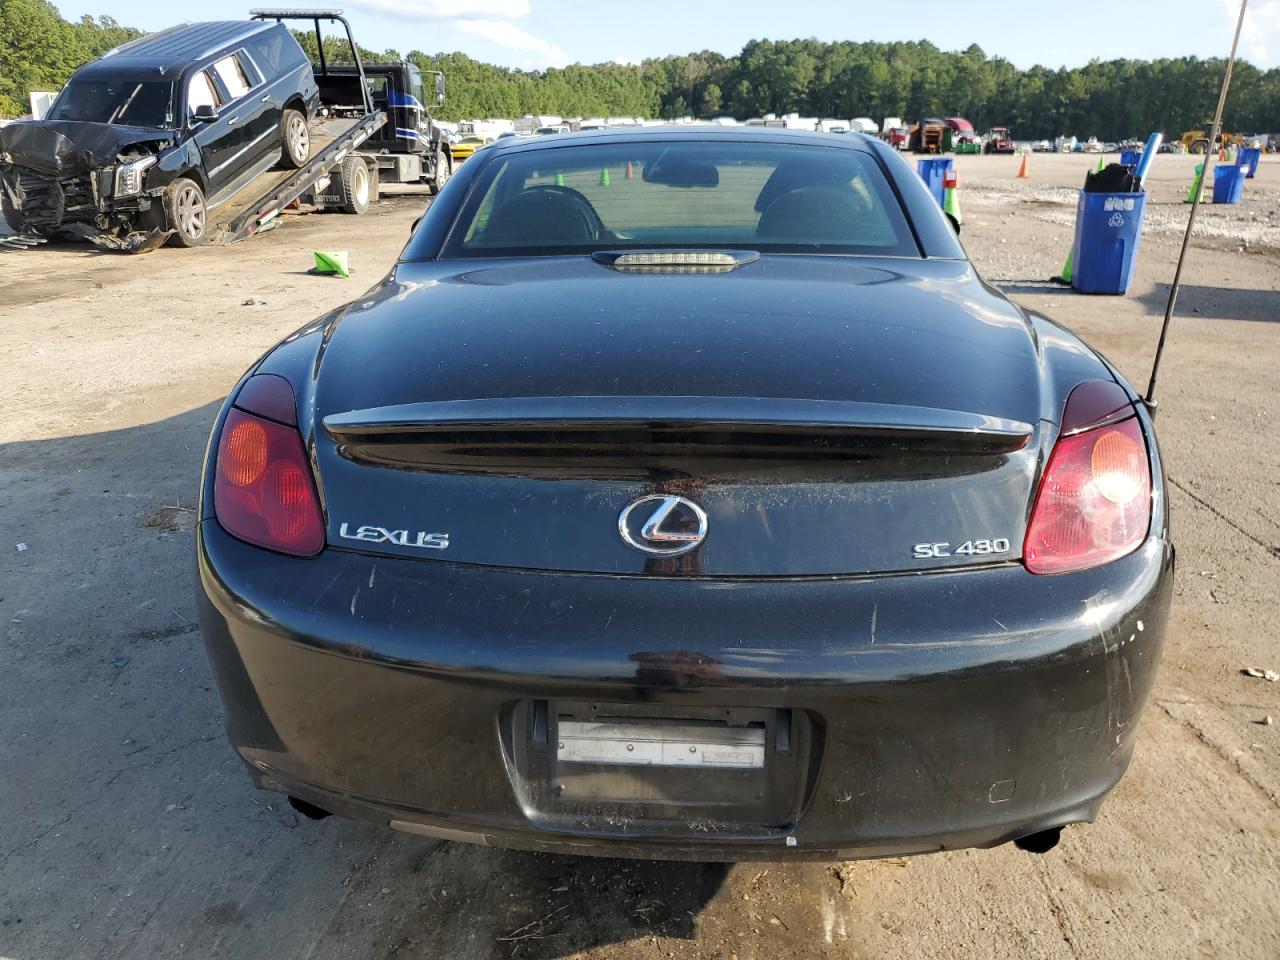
(39, 50)
(710, 106)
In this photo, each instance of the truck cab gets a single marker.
(412, 147)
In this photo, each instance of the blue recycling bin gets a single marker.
(1108, 231)
(1130, 158)
(1249, 157)
(1228, 182)
(932, 170)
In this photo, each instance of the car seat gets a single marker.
(817, 215)
(543, 216)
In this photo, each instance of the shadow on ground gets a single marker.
(1217, 303)
(131, 828)
(538, 906)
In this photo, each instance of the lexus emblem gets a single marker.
(662, 525)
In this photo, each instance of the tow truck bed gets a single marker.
(255, 206)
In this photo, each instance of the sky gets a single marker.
(536, 34)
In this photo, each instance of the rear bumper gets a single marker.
(930, 712)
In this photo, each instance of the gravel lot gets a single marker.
(128, 828)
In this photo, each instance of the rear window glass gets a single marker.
(377, 85)
(275, 51)
(771, 197)
(232, 75)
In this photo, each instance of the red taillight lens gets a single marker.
(1094, 504)
(262, 488)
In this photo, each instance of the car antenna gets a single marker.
(1149, 400)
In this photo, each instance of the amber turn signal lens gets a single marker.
(244, 453)
(1118, 465)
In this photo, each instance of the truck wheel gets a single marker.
(185, 213)
(444, 169)
(295, 140)
(355, 186)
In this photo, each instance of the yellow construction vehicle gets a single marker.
(1197, 141)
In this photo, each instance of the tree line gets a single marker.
(39, 50)
(1109, 99)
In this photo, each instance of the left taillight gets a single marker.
(263, 490)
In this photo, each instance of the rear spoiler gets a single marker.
(952, 430)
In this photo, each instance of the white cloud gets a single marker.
(507, 34)
(445, 9)
(1261, 26)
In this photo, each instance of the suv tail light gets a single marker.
(1094, 503)
(263, 491)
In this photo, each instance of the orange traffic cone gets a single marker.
(1022, 173)
(631, 173)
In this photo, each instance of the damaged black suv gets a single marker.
(141, 144)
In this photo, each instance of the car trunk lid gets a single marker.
(828, 415)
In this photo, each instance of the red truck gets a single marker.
(999, 140)
(897, 137)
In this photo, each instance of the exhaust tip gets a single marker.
(1041, 842)
(308, 810)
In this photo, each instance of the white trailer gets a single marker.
(529, 123)
(41, 101)
(793, 121)
(490, 129)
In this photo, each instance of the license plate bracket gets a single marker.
(629, 742)
(748, 775)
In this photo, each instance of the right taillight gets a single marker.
(1094, 503)
(263, 491)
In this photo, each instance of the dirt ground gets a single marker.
(129, 830)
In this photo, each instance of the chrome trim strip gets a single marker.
(240, 153)
(233, 189)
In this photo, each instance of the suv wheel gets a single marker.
(295, 139)
(185, 212)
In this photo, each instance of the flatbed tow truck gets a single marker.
(335, 176)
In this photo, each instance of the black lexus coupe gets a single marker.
(685, 493)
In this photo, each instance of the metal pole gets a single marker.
(1195, 206)
(324, 67)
